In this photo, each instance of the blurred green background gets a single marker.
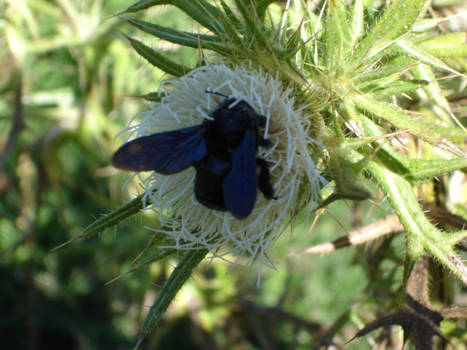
(69, 83)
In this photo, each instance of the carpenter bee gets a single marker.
(223, 151)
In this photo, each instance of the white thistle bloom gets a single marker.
(185, 103)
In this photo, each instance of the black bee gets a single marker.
(222, 150)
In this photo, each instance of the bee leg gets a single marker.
(264, 180)
(261, 120)
(263, 142)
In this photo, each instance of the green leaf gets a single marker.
(419, 54)
(157, 60)
(357, 25)
(232, 34)
(294, 41)
(158, 254)
(262, 6)
(403, 121)
(421, 234)
(254, 25)
(447, 45)
(422, 169)
(396, 22)
(152, 96)
(109, 220)
(433, 90)
(425, 24)
(399, 87)
(182, 38)
(171, 287)
(230, 15)
(334, 34)
(200, 10)
(417, 171)
(414, 170)
(381, 73)
(143, 5)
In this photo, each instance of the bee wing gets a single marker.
(166, 152)
(240, 184)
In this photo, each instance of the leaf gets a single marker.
(421, 233)
(402, 121)
(200, 10)
(396, 22)
(253, 24)
(230, 16)
(433, 90)
(418, 53)
(419, 170)
(335, 36)
(171, 287)
(380, 73)
(158, 254)
(152, 96)
(182, 38)
(414, 170)
(233, 34)
(143, 5)
(357, 25)
(400, 87)
(262, 6)
(447, 45)
(109, 220)
(157, 60)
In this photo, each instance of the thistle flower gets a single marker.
(363, 61)
(185, 103)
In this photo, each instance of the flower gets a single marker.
(185, 103)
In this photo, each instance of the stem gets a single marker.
(177, 279)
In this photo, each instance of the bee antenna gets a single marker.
(215, 93)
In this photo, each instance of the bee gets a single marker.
(223, 150)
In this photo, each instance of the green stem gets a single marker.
(177, 279)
